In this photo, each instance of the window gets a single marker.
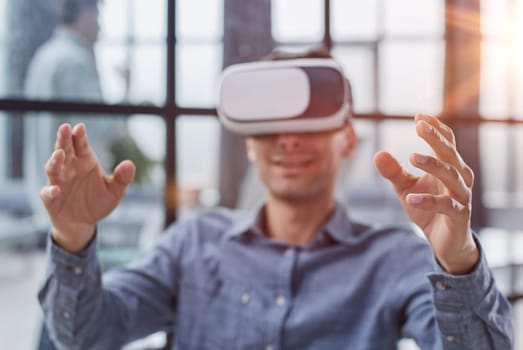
(158, 74)
(501, 98)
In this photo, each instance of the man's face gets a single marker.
(87, 23)
(300, 166)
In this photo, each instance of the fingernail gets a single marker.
(419, 158)
(414, 199)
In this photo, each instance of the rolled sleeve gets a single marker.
(68, 275)
(73, 268)
(467, 305)
(462, 290)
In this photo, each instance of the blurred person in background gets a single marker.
(297, 273)
(64, 69)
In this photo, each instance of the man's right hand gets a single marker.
(78, 193)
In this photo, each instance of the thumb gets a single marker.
(122, 177)
(390, 169)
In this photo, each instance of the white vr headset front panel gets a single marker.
(275, 96)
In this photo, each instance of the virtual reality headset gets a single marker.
(271, 97)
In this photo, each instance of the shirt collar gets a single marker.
(247, 222)
(338, 227)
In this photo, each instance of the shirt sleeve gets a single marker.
(470, 311)
(84, 311)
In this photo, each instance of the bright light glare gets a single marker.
(518, 35)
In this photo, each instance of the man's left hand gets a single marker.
(439, 201)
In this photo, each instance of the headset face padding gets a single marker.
(300, 95)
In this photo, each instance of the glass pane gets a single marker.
(518, 92)
(150, 20)
(517, 59)
(114, 19)
(354, 20)
(3, 37)
(358, 67)
(3, 76)
(518, 155)
(494, 164)
(297, 20)
(132, 74)
(361, 164)
(502, 168)
(3, 22)
(371, 198)
(197, 71)
(130, 229)
(494, 15)
(411, 77)
(413, 17)
(112, 63)
(199, 19)
(136, 19)
(400, 139)
(197, 152)
(62, 66)
(3, 146)
(148, 75)
(494, 102)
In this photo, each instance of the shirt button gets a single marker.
(66, 315)
(281, 300)
(270, 347)
(441, 286)
(449, 338)
(246, 297)
(77, 270)
(288, 252)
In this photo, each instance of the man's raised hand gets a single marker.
(439, 201)
(79, 194)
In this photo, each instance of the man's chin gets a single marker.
(294, 194)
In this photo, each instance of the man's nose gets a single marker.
(290, 141)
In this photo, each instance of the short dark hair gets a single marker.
(313, 52)
(67, 11)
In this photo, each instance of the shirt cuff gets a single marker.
(462, 290)
(72, 268)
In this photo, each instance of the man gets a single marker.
(297, 274)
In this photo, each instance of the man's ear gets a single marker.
(251, 154)
(350, 140)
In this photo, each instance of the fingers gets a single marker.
(80, 141)
(70, 144)
(447, 174)
(54, 166)
(389, 168)
(64, 141)
(442, 204)
(122, 177)
(445, 130)
(442, 140)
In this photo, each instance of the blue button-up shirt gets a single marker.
(219, 282)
